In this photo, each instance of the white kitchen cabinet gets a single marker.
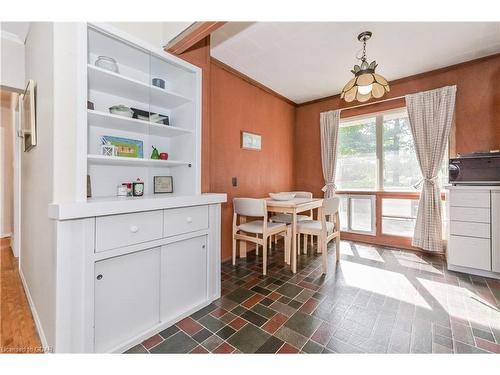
(183, 276)
(126, 297)
(495, 233)
(474, 226)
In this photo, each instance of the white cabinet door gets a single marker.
(183, 276)
(127, 290)
(495, 231)
(470, 252)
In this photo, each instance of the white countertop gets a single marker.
(472, 187)
(121, 205)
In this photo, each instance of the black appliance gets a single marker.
(475, 169)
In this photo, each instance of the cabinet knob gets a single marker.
(203, 246)
(189, 219)
(99, 277)
(134, 228)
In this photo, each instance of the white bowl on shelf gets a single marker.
(282, 196)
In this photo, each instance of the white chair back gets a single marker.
(250, 207)
(303, 194)
(330, 205)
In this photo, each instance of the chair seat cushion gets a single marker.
(314, 225)
(287, 218)
(257, 226)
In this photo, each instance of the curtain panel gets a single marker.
(431, 117)
(329, 127)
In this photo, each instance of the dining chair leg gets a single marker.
(306, 238)
(319, 249)
(234, 251)
(264, 257)
(269, 240)
(324, 256)
(288, 244)
(275, 239)
(257, 246)
(337, 248)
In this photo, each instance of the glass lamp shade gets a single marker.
(364, 86)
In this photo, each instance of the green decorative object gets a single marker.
(155, 154)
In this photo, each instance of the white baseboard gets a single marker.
(36, 318)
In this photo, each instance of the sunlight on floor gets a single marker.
(383, 282)
(463, 303)
(367, 252)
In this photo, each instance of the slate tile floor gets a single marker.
(376, 300)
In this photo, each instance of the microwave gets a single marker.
(475, 169)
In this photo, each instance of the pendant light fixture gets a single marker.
(366, 83)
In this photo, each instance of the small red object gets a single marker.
(163, 156)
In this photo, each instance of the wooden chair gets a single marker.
(326, 228)
(287, 218)
(261, 228)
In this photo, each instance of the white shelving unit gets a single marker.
(131, 86)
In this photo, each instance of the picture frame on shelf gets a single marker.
(125, 147)
(251, 141)
(163, 184)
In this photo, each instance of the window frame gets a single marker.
(379, 155)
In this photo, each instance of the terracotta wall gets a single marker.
(477, 113)
(237, 105)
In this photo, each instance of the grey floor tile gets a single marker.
(178, 343)
(303, 323)
(249, 339)
(138, 349)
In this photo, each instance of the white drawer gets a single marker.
(470, 199)
(184, 220)
(129, 229)
(478, 215)
(469, 252)
(463, 228)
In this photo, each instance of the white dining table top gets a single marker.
(292, 202)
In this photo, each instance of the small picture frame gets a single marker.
(251, 141)
(163, 184)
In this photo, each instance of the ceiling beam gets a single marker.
(192, 35)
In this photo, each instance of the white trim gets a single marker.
(474, 271)
(6, 235)
(12, 37)
(36, 318)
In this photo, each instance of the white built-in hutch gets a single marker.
(129, 267)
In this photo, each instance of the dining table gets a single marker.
(293, 206)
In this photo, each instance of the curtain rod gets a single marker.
(371, 103)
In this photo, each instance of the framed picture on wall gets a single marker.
(28, 115)
(251, 141)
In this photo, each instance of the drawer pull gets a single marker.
(134, 228)
(189, 219)
(99, 277)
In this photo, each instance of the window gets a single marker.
(357, 213)
(398, 216)
(377, 152)
(357, 156)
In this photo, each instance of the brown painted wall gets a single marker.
(477, 114)
(237, 105)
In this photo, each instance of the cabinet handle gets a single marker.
(99, 277)
(189, 219)
(202, 246)
(134, 228)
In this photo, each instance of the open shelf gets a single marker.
(117, 122)
(118, 160)
(119, 85)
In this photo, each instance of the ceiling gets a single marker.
(309, 60)
(15, 30)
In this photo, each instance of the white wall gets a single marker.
(155, 33)
(7, 117)
(38, 258)
(12, 63)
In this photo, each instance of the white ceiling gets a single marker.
(15, 30)
(308, 60)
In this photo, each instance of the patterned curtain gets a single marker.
(431, 117)
(329, 127)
